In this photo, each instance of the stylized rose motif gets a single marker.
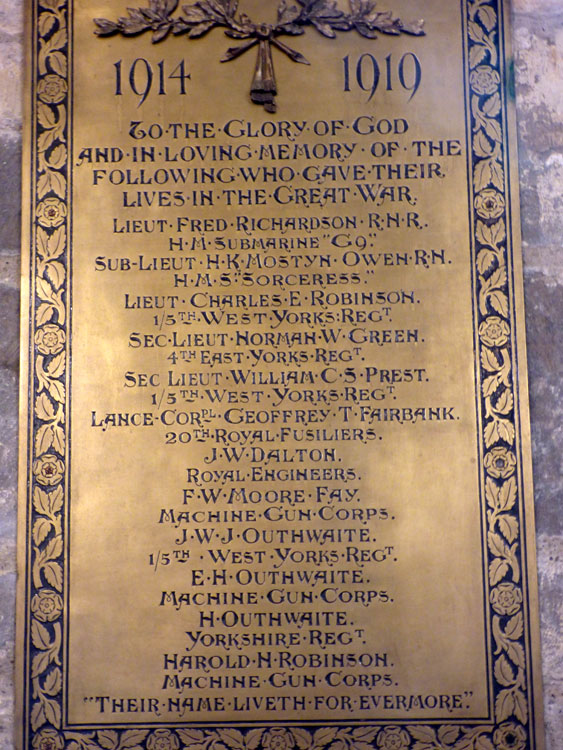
(489, 204)
(163, 739)
(506, 599)
(500, 463)
(510, 736)
(484, 80)
(52, 89)
(46, 605)
(50, 339)
(48, 739)
(494, 331)
(393, 738)
(48, 469)
(51, 213)
(278, 739)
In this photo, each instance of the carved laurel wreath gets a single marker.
(204, 15)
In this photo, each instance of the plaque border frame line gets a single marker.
(68, 495)
(476, 365)
(464, 5)
(46, 351)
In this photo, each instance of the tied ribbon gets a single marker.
(264, 89)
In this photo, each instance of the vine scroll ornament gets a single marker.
(204, 15)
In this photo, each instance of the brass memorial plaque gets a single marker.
(275, 475)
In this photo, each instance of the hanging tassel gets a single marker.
(264, 89)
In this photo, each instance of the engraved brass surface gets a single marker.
(275, 477)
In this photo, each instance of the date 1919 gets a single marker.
(367, 74)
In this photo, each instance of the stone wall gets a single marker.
(538, 45)
(538, 52)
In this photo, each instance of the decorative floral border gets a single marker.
(48, 367)
(49, 356)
